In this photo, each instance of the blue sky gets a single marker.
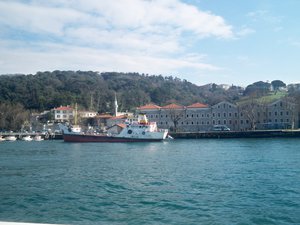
(203, 41)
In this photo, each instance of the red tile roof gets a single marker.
(197, 105)
(149, 106)
(118, 117)
(64, 108)
(104, 116)
(173, 106)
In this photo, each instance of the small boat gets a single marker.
(38, 138)
(138, 131)
(11, 138)
(27, 138)
(2, 139)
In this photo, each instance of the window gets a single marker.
(219, 122)
(275, 113)
(224, 114)
(219, 115)
(229, 114)
(224, 122)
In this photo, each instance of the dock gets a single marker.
(45, 136)
(237, 134)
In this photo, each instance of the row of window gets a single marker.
(225, 122)
(218, 115)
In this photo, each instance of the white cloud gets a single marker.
(121, 35)
(245, 31)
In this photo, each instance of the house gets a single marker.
(87, 114)
(63, 114)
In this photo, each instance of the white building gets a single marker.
(63, 113)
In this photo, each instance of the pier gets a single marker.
(45, 136)
(237, 134)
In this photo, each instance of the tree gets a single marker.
(277, 84)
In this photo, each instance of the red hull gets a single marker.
(102, 138)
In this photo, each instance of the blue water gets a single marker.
(237, 181)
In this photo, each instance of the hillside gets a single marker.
(46, 90)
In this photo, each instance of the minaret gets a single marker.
(116, 105)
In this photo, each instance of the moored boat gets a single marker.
(27, 138)
(2, 139)
(38, 138)
(11, 138)
(139, 131)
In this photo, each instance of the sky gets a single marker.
(203, 41)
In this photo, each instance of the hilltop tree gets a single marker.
(277, 84)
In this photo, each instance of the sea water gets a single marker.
(233, 181)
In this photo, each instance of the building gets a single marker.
(200, 117)
(87, 114)
(63, 114)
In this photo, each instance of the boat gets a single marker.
(27, 138)
(2, 139)
(11, 138)
(38, 138)
(136, 131)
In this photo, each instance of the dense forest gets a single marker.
(91, 90)
(21, 94)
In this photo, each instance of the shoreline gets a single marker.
(237, 134)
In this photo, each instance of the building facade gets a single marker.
(200, 117)
(63, 114)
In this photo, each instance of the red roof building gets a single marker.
(149, 107)
(197, 105)
(63, 113)
(173, 106)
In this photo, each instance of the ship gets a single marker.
(137, 131)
